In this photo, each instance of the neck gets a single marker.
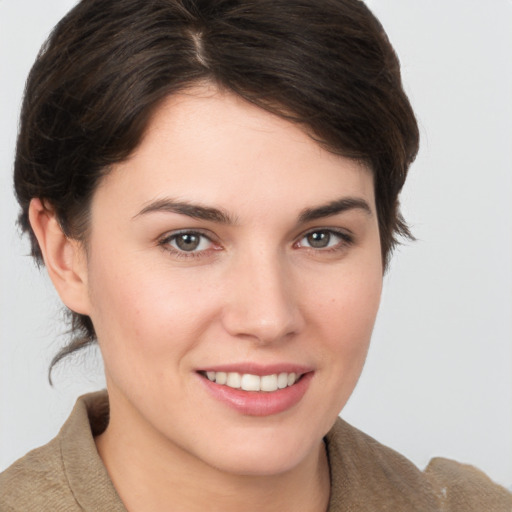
(150, 473)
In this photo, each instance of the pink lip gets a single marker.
(259, 403)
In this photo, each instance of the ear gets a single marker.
(64, 257)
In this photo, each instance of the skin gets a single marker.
(254, 291)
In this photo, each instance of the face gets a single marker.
(233, 279)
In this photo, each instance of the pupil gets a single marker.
(319, 239)
(187, 242)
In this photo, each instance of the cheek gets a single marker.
(342, 320)
(346, 313)
(140, 309)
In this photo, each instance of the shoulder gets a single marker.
(60, 475)
(36, 482)
(466, 489)
(367, 475)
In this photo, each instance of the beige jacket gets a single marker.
(68, 475)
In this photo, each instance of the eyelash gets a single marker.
(167, 240)
(345, 240)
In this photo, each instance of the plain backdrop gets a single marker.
(438, 380)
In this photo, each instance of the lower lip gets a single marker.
(260, 403)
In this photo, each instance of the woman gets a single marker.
(213, 189)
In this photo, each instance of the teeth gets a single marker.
(268, 383)
(249, 382)
(282, 380)
(220, 377)
(234, 380)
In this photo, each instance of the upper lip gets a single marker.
(258, 369)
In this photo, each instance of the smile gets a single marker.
(254, 391)
(250, 382)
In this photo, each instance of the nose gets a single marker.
(261, 302)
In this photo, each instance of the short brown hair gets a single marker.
(108, 64)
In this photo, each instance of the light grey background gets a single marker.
(438, 380)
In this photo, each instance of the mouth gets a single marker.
(258, 391)
(251, 382)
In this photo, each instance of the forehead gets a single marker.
(213, 147)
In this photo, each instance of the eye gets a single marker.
(187, 242)
(324, 239)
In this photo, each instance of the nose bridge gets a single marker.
(261, 304)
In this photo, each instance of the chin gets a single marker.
(262, 452)
(262, 464)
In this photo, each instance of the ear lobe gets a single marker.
(64, 258)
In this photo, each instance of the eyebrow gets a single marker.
(220, 216)
(191, 210)
(334, 208)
